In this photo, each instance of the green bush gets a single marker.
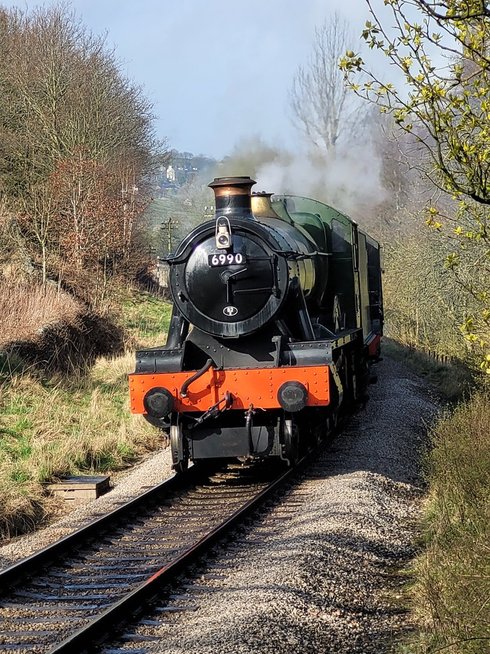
(452, 589)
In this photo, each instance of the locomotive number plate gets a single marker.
(215, 260)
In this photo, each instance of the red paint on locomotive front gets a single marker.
(253, 386)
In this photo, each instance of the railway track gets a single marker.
(71, 595)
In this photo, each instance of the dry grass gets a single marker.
(145, 317)
(48, 330)
(57, 425)
(27, 310)
(451, 594)
(49, 430)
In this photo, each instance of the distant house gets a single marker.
(170, 173)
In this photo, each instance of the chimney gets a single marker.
(233, 195)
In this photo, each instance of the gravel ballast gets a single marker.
(320, 570)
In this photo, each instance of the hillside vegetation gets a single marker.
(437, 288)
(452, 576)
(77, 151)
(53, 425)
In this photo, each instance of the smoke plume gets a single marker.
(348, 179)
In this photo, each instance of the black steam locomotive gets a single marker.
(277, 315)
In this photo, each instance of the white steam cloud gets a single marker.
(349, 179)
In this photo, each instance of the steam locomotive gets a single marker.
(277, 316)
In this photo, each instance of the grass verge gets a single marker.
(145, 317)
(451, 591)
(451, 379)
(450, 588)
(53, 426)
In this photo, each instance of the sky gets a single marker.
(216, 71)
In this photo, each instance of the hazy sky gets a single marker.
(216, 71)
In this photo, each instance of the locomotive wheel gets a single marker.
(181, 467)
(318, 435)
(291, 442)
(180, 456)
(207, 466)
(332, 422)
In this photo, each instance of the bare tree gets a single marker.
(76, 147)
(324, 109)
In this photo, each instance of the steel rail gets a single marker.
(26, 567)
(99, 629)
